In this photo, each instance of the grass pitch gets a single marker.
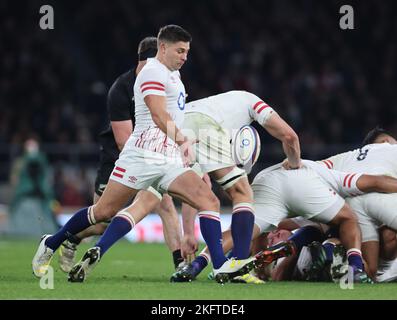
(142, 271)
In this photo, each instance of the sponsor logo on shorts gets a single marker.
(132, 179)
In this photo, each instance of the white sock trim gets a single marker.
(330, 242)
(91, 215)
(127, 216)
(206, 256)
(210, 215)
(353, 251)
(243, 206)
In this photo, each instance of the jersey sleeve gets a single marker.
(259, 110)
(347, 183)
(152, 81)
(118, 102)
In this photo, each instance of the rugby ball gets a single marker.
(246, 146)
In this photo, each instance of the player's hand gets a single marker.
(287, 166)
(189, 246)
(187, 152)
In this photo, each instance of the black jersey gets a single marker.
(121, 107)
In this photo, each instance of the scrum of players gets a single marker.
(298, 220)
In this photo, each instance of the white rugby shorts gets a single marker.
(139, 169)
(374, 210)
(281, 194)
(213, 151)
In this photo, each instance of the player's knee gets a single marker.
(241, 190)
(167, 206)
(103, 213)
(209, 202)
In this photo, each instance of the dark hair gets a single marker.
(374, 134)
(173, 33)
(147, 48)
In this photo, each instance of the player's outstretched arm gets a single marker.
(373, 183)
(279, 129)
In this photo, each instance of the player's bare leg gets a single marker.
(191, 189)
(189, 243)
(238, 192)
(191, 271)
(143, 204)
(370, 251)
(171, 227)
(165, 209)
(68, 249)
(201, 197)
(388, 243)
(388, 253)
(235, 182)
(350, 237)
(113, 199)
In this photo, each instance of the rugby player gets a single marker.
(158, 154)
(121, 110)
(213, 121)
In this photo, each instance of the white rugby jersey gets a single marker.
(232, 109)
(377, 158)
(343, 183)
(156, 79)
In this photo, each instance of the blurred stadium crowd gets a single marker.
(331, 85)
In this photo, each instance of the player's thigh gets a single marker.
(235, 182)
(190, 188)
